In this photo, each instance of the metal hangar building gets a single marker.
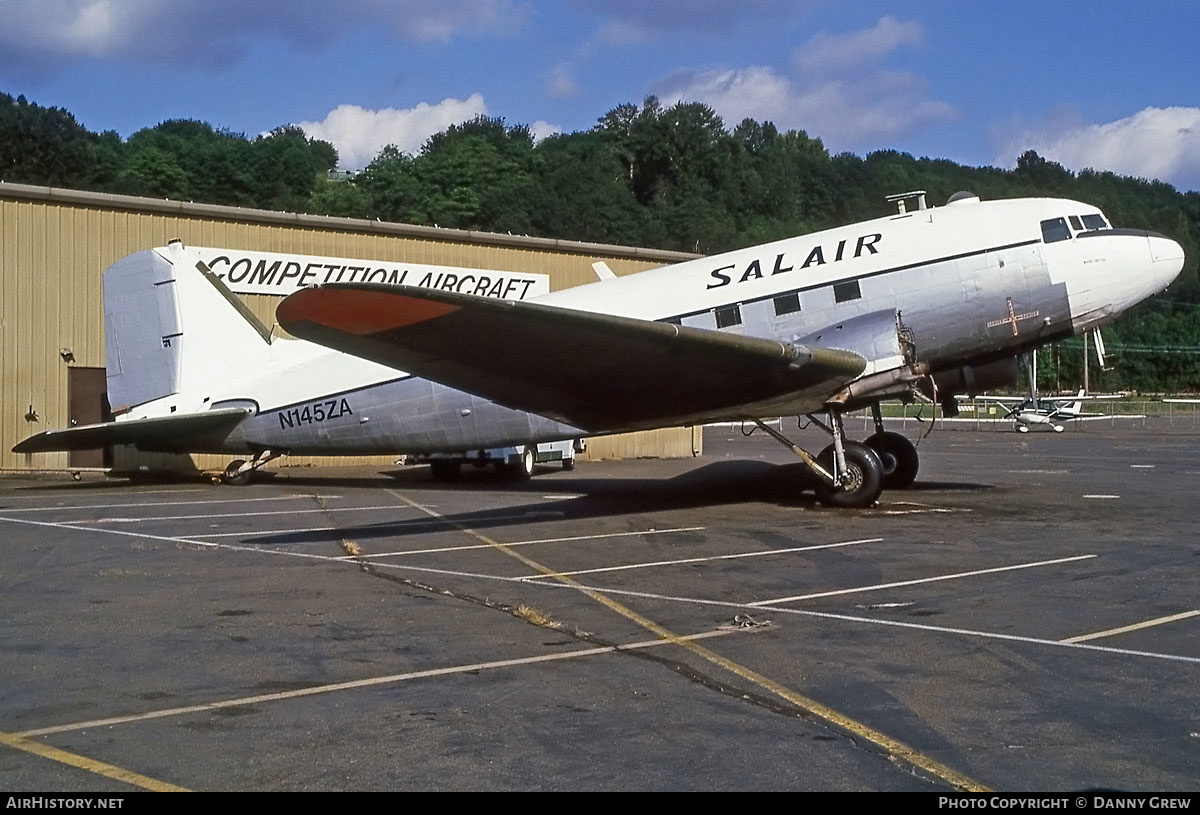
(56, 243)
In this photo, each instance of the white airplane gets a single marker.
(937, 298)
(1035, 411)
(1040, 412)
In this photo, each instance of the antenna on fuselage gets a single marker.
(901, 200)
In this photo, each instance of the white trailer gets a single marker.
(518, 461)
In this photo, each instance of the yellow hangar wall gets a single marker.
(55, 244)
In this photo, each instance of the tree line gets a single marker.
(669, 177)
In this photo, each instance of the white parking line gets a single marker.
(919, 581)
(372, 682)
(208, 516)
(397, 526)
(884, 622)
(710, 559)
(571, 539)
(78, 492)
(824, 615)
(72, 508)
(1134, 627)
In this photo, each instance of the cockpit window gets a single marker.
(1055, 230)
(1076, 224)
(1095, 221)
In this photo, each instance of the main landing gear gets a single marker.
(239, 472)
(853, 474)
(897, 454)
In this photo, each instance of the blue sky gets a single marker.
(1106, 85)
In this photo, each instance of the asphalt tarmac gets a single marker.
(1025, 618)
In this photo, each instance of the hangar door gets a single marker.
(87, 403)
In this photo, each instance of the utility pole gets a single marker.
(1086, 389)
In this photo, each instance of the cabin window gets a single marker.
(846, 290)
(728, 316)
(1094, 221)
(787, 304)
(1055, 229)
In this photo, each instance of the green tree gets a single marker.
(581, 191)
(478, 175)
(392, 188)
(43, 145)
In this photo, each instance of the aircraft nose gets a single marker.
(1166, 258)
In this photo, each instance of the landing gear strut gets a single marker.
(849, 474)
(240, 471)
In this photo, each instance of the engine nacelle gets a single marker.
(974, 379)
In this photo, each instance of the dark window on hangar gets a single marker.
(728, 316)
(846, 290)
(787, 304)
(1055, 229)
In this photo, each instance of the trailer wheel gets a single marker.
(524, 467)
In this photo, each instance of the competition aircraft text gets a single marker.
(278, 274)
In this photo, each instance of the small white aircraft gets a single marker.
(942, 299)
(1036, 411)
(1039, 412)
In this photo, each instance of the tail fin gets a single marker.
(172, 329)
(1076, 407)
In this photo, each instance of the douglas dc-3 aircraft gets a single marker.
(939, 299)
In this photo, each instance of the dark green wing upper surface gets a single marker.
(598, 372)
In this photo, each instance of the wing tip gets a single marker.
(357, 310)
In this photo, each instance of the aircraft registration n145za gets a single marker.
(938, 299)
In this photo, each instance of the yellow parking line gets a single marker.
(893, 747)
(89, 764)
(1136, 626)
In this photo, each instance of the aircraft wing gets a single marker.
(187, 433)
(1005, 400)
(597, 372)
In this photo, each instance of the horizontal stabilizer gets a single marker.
(189, 433)
(598, 372)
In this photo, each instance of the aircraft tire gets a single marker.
(232, 477)
(899, 458)
(568, 464)
(866, 478)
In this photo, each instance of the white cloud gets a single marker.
(562, 83)
(836, 52)
(1157, 143)
(704, 16)
(41, 34)
(844, 114)
(542, 129)
(359, 134)
(834, 92)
